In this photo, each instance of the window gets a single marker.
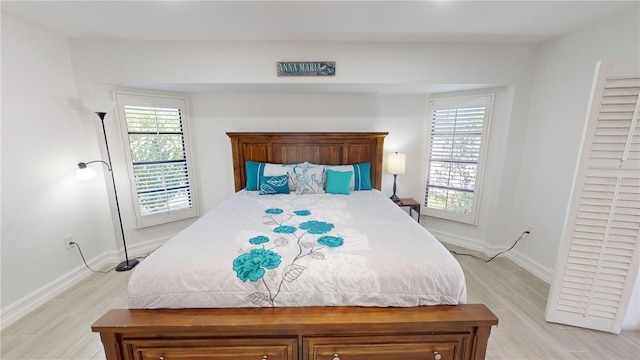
(457, 136)
(158, 154)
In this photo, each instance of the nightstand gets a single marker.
(412, 204)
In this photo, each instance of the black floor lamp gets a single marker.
(84, 172)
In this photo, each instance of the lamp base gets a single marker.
(394, 197)
(127, 265)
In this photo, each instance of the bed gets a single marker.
(321, 273)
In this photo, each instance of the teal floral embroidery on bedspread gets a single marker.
(254, 264)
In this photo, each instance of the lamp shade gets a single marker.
(395, 164)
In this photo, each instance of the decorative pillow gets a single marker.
(338, 182)
(253, 170)
(362, 176)
(361, 179)
(291, 171)
(270, 185)
(308, 179)
(256, 170)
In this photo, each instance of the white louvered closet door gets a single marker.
(599, 256)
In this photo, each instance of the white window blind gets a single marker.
(158, 153)
(457, 130)
(598, 259)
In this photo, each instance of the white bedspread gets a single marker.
(299, 250)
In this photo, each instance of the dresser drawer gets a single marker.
(413, 347)
(213, 349)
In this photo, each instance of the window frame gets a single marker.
(158, 101)
(453, 102)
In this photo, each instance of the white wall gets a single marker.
(44, 134)
(558, 111)
(247, 62)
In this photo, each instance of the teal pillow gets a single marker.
(254, 172)
(338, 182)
(362, 175)
(270, 185)
(361, 179)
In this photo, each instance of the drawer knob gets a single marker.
(264, 357)
(161, 358)
(436, 355)
(336, 357)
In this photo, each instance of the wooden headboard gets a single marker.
(327, 148)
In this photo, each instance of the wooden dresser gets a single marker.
(292, 333)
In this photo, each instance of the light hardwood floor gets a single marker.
(61, 328)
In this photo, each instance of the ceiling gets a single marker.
(437, 20)
(410, 21)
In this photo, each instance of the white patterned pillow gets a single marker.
(308, 179)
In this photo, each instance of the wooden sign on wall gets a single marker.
(306, 68)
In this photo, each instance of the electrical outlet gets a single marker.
(67, 241)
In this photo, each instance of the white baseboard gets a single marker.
(543, 273)
(464, 242)
(39, 297)
(24, 306)
(537, 270)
